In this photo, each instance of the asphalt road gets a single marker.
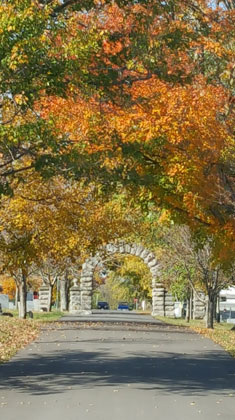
(112, 370)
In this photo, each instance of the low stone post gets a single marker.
(199, 305)
(75, 298)
(44, 297)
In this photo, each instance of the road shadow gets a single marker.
(165, 372)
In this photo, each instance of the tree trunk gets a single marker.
(50, 297)
(63, 295)
(17, 296)
(210, 312)
(188, 310)
(22, 295)
(191, 304)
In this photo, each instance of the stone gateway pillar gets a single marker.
(74, 298)
(169, 305)
(86, 284)
(158, 299)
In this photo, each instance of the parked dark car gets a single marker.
(102, 305)
(123, 306)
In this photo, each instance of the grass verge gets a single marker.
(47, 316)
(16, 333)
(221, 334)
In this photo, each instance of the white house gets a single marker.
(227, 304)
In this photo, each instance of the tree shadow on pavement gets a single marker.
(165, 372)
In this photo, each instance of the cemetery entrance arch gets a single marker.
(83, 305)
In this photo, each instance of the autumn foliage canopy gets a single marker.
(130, 93)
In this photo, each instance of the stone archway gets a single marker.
(83, 303)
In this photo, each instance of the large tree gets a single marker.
(160, 118)
(123, 93)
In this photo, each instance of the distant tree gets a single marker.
(189, 262)
(8, 287)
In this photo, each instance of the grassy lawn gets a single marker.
(41, 316)
(17, 333)
(221, 334)
(47, 316)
